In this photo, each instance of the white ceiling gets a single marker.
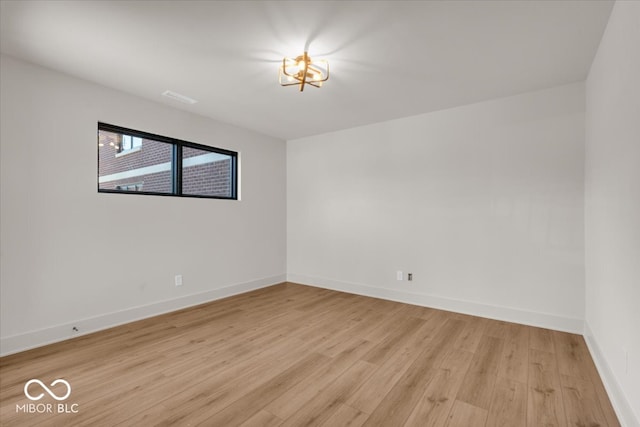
(388, 59)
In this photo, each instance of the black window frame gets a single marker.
(176, 163)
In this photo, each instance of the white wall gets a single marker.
(71, 256)
(612, 209)
(482, 203)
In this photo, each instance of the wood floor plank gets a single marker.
(601, 393)
(346, 416)
(385, 327)
(497, 329)
(581, 403)
(298, 355)
(477, 386)
(420, 312)
(466, 415)
(515, 354)
(358, 327)
(545, 404)
(291, 401)
(237, 375)
(471, 334)
(508, 405)
(262, 418)
(251, 402)
(406, 328)
(369, 396)
(340, 341)
(435, 405)
(328, 400)
(398, 404)
(575, 361)
(572, 355)
(603, 399)
(170, 400)
(541, 339)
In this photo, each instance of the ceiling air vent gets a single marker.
(178, 97)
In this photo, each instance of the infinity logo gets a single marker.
(52, 394)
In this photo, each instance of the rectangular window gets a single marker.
(131, 161)
(129, 143)
(206, 173)
(148, 170)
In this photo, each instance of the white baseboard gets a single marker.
(620, 403)
(33, 339)
(532, 318)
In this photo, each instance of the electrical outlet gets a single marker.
(410, 276)
(178, 279)
(399, 275)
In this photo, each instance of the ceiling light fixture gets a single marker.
(302, 70)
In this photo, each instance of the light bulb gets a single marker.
(100, 144)
(317, 76)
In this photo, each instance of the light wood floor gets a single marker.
(295, 355)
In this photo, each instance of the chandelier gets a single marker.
(302, 70)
